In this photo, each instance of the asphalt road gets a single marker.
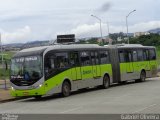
(127, 98)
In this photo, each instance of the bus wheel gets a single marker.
(66, 89)
(106, 82)
(143, 76)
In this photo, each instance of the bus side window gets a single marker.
(74, 59)
(145, 54)
(85, 58)
(121, 56)
(49, 64)
(128, 56)
(152, 54)
(140, 55)
(94, 58)
(104, 57)
(134, 54)
(62, 59)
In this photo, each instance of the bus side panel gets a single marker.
(153, 65)
(123, 71)
(54, 84)
(138, 67)
(106, 68)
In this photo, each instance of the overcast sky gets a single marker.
(28, 20)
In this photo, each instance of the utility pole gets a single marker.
(127, 23)
(5, 82)
(100, 22)
(1, 49)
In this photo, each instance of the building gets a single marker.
(137, 34)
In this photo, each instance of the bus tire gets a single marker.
(143, 76)
(106, 82)
(66, 89)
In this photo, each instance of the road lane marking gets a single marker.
(70, 110)
(145, 108)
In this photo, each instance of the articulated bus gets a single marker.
(43, 71)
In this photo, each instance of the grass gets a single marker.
(4, 74)
(158, 55)
(8, 55)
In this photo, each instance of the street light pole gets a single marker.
(108, 27)
(100, 21)
(127, 23)
(1, 49)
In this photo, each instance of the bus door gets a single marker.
(146, 60)
(86, 65)
(95, 64)
(75, 64)
(129, 63)
(153, 62)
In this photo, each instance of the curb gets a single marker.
(11, 99)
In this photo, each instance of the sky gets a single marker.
(23, 21)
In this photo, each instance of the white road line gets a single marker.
(70, 110)
(145, 108)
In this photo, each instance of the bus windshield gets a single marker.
(26, 68)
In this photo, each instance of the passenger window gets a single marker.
(74, 59)
(62, 60)
(94, 58)
(121, 56)
(85, 58)
(134, 54)
(140, 55)
(104, 57)
(128, 56)
(152, 54)
(145, 55)
(125, 56)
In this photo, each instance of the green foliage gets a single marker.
(158, 55)
(4, 74)
(147, 40)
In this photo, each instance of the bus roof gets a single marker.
(39, 50)
(129, 46)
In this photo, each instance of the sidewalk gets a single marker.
(5, 96)
(5, 93)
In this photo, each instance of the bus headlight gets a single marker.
(40, 85)
(12, 88)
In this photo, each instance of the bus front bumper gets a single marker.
(31, 92)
